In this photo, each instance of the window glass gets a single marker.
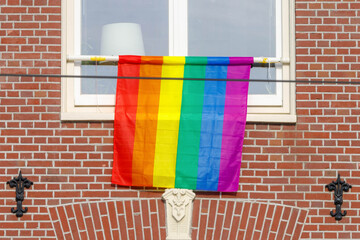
(235, 28)
(152, 16)
(215, 28)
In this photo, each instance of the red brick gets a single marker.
(90, 228)
(81, 148)
(329, 28)
(218, 226)
(106, 227)
(54, 179)
(244, 216)
(322, 135)
(67, 194)
(79, 218)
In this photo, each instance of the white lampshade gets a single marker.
(122, 39)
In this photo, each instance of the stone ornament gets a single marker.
(178, 206)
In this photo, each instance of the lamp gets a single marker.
(122, 39)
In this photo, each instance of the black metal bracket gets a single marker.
(338, 187)
(20, 183)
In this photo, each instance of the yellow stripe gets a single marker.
(168, 123)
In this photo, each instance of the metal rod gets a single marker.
(116, 58)
(353, 82)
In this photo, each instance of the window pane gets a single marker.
(152, 16)
(235, 28)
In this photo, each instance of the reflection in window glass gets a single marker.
(235, 28)
(152, 17)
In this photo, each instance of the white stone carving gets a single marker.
(178, 206)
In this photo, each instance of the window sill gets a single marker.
(251, 118)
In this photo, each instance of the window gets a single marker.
(254, 28)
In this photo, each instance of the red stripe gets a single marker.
(125, 119)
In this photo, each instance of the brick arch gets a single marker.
(145, 219)
(231, 219)
(125, 219)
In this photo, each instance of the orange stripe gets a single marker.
(146, 122)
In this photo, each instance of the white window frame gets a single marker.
(261, 108)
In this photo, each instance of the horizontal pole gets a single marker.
(116, 58)
(352, 82)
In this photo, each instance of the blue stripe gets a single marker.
(212, 125)
(218, 61)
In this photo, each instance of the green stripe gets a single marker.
(190, 124)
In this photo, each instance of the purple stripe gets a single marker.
(234, 124)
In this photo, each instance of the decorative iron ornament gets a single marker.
(20, 183)
(338, 187)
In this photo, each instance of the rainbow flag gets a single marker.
(180, 133)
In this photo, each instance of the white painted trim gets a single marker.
(180, 27)
(95, 100)
(171, 27)
(292, 55)
(99, 58)
(78, 98)
(104, 116)
(87, 116)
(278, 99)
(67, 47)
(64, 62)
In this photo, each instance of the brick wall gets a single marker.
(325, 140)
(287, 164)
(145, 219)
